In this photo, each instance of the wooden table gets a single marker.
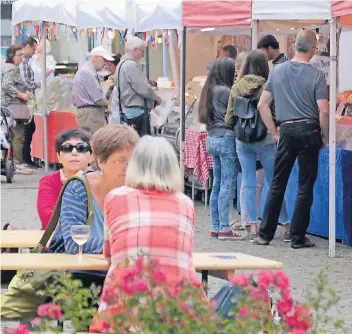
(222, 265)
(20, 238)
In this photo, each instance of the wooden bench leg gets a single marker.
(205, 275)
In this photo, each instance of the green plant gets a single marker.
(142, 300)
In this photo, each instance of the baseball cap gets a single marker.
(100, 51)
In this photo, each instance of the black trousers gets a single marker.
(297, 140)
(29, 130)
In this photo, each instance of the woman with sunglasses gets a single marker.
(112, 147)
(74, 154)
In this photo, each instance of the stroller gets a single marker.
(7, 164)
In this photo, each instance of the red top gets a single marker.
(49, 190)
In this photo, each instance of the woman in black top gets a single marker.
(220, 144)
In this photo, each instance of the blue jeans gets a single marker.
(225, 170)
(247, 154)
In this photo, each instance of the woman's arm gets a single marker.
(74, 210)
(46, 200)
(229, 117)
(8, 84)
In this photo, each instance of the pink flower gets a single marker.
(43, 310)
(158, 277)
(241, 279)
(106, 327)
(298, 331)
(36, 322)
(140, 285)
(286, 294)
(21, 329)
(265, 279)
(213, 303)
(282, 281)
(284, 306)
(243, 311)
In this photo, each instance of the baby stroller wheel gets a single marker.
(9, 171)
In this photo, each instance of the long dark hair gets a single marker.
(256, 63)
(222, 73)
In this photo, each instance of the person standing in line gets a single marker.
(220, 144)
(27, 75)
(249, 87)
(302, 110)
(229, 51)
(135, 96)
(87, 93)
(271, 47)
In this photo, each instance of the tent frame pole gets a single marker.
(332, 141)
(183, 104)
(44, 96)
(254, 32)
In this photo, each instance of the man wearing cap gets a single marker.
(87, 93)
(270, 46)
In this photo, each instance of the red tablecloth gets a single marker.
(196, 155)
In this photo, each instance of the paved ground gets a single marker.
(18, 207)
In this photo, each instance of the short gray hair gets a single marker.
(306, 41)
(134, 42)
(154, 165)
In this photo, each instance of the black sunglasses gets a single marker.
(80, 148)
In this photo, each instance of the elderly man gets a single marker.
(135, 96)
(302, 111)
(87, 93)
(27, 75)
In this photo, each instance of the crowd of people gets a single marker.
(259, 122)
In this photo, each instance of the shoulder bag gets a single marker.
(20, 111)
(22, 299)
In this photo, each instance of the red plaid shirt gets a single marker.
(153, 223)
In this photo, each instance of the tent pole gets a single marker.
(332, 142)
(147, 65)
(45, 111)
(254, 34)
(183, 104)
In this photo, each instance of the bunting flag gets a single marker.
(74, 32)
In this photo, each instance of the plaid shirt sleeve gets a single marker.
(27, 75)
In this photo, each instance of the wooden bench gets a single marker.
(20, 238)
(221, 265)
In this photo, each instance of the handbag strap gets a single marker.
(56, 215)
(119, 92)
(118, 86)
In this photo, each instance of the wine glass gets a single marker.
(80, 235)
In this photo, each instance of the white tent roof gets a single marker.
(101, 13)
(291, 10)
(59, 11)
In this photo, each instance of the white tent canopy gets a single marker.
(59, 11)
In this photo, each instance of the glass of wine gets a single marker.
(80, 235)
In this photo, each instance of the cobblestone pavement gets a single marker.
(18, 207)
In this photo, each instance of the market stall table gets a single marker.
(198, 160)
(222, 265)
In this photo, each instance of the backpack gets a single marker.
(249, 126)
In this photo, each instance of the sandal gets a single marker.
(22, 169)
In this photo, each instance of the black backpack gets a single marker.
(249, 126)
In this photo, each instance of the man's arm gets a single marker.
(140, 84)
(265, 112)
(324, 119)
(94, 90)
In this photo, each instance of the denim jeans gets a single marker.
(225, 170)
(302, 140)
(247, 154)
